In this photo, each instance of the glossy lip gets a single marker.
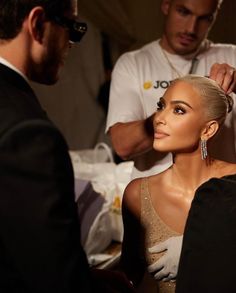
(160, 134)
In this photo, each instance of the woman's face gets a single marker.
(179, 120)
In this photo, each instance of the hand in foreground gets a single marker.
(225, 76)
(166, 267)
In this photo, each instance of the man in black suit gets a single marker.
(40, 248)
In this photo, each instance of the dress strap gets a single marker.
(146, 205)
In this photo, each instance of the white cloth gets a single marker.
(141, 77)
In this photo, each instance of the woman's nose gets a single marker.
(159, 118)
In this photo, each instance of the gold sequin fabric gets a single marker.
(156, 232)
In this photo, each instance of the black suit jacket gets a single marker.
(40, 248)
(208, 257)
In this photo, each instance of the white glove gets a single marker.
(166, 267)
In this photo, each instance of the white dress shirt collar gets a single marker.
(8, 64)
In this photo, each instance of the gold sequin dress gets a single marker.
(156, 231)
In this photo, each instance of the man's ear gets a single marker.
(165, 6)
(210, 129)
(36, 23)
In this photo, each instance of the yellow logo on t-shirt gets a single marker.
(147, 85)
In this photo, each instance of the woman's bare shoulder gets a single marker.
(134, 185)
(132, 191)
(131, 197)
(226, 168)
(232, 169)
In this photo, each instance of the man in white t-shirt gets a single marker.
(140, 78)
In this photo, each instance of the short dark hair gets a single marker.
(14, 12)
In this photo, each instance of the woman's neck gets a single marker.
(190, 171)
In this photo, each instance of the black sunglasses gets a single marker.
(76, 29)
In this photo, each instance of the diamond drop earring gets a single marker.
(204, 149)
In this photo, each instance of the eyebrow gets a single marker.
(181, 102)
(189, 11)
(176, 102)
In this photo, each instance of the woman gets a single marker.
(155, 208)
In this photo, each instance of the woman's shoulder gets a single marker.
(224, 176)
(134, 187)
(131, 197)
(229, 174)
(225, 169)
(132, 190)
(132, 194)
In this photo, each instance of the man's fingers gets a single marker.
(229, 80)
(231, 88)
(224, 75)
(220, 76)
(214, 71)
(232, 85)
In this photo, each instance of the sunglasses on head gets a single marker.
(76, 29)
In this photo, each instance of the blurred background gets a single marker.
(77, 104)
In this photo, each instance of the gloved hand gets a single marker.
(166, 267)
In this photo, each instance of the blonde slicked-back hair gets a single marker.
(216, 102)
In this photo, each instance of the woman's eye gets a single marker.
(179, 110)
(160, 106)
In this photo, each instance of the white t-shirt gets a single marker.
(141, 77)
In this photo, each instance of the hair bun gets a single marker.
(230, 103)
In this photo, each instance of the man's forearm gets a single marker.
(132, 138)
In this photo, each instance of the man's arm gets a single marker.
(130, 129)
(40, 232)
(130, 139)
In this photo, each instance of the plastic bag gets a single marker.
(112, 185)
(94, 215)
(108, 180)
(89, 163)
